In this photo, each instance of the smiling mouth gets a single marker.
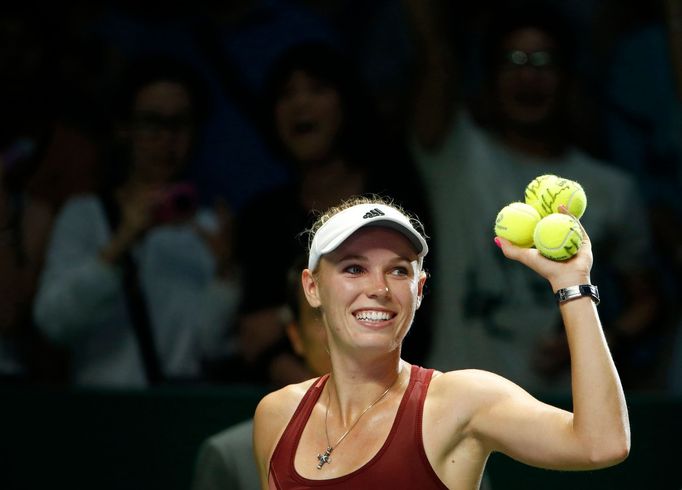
(373, 316)
(304, 127)
(531, 99)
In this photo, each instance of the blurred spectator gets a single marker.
(477, 156)
(25, 223)
(230, 44)
(137, 282)
(233, 44)
(321, 123)
(376, 36)
(225, 460)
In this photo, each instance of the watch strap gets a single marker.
(572, 292)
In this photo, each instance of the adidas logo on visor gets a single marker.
(373, 213)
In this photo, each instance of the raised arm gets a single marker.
(436, 81)
(597, 433)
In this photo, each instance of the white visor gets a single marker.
(343, 224)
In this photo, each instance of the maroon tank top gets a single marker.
(401, 463)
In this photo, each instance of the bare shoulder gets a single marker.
(469, 389)
(273, 413)
(465, 377)
(279, 406)
(454, 405)
(475, 379)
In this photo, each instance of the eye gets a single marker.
(400, 271)
(353, 269)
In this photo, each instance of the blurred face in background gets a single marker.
(309, 338)
(308, 117)
(161, 131)
(528, 78)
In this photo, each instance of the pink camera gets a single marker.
(179, 202)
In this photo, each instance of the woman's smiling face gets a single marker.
(368, 289)
(308, 117)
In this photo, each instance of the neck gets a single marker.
(535, 141)
(353, 387)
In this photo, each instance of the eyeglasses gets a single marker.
(153, 122)
(536, 59)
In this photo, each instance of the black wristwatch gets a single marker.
(572, 292)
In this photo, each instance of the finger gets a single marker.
(223, 212)
(564, 209)
(510, 250)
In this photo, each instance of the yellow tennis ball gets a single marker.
(556, 191)
(558, 236)
(516, 222)
(534, 191)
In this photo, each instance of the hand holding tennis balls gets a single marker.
(538, 222)
(559, 273)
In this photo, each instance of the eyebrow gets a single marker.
(352, 257)
(346, 258)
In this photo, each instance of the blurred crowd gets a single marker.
(158, 168)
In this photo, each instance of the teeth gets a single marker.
(304, 126)
(373, 316)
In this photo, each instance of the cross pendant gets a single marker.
(324, 458)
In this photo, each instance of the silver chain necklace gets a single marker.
(325, 457)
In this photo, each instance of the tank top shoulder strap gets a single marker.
(420, 378)
(407, 443)
(423, 375)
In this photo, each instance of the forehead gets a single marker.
(528, 39)
(163, 96)
(370, 239)
(300, 77)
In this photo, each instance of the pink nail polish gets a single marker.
(498, 242)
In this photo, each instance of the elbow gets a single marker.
(610, 454)
(617, 454)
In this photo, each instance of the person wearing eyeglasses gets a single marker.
(476, 156)
(136, 284)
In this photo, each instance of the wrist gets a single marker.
(570, 293)
(119, 244)
(568, 281)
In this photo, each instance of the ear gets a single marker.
(310, 288)
(420, 288)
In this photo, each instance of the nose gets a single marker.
(378, 287)
(527, 73)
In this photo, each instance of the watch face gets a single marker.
(592, 291)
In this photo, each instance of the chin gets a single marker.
(310, 157)
(379, 342)
(529, 117)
